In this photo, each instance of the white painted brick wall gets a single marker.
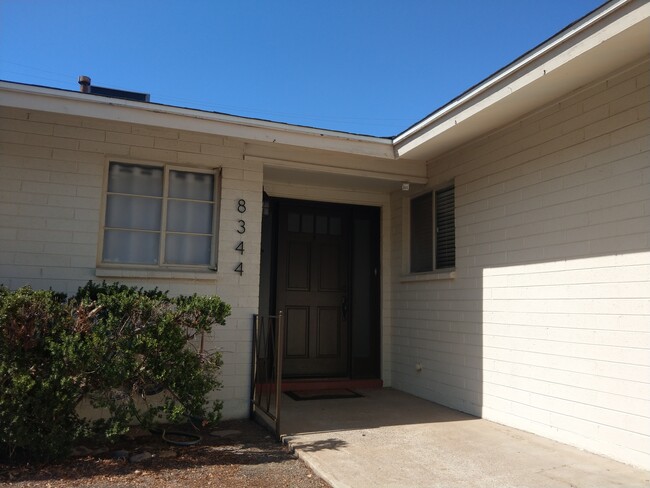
(546, 326)
(51, 183)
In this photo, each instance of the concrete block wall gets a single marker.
(52, 169)
(546, 324)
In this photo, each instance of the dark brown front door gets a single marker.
(312, 288)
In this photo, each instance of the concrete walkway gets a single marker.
(390, 438)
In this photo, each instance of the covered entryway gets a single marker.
(320, 267)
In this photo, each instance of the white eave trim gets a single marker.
(408, 136)
(75, 103)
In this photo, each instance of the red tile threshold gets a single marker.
(330, 384)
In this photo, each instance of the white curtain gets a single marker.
(189, 223)
(133, 214)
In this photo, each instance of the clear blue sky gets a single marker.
(364, 66)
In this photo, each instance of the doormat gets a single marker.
(302, 395)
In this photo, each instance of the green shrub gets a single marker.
(128, 350)
(39, 387)
(141, 344)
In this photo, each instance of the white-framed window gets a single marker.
(159, 215)
(432, 235)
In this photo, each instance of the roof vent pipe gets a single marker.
(84, 84)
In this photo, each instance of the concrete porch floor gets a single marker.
(390, 438)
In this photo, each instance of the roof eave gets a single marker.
(46, 99)
(556, 67)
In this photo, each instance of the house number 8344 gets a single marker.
(241, 229)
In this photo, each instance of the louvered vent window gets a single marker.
(445, 229)
(422, 233)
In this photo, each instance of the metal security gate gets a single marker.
(268, 351)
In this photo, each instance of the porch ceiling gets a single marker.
(360, 174)
(302, 177)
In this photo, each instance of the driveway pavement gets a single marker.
(391, 439)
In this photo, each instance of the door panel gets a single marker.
(329, 278)
(312, 287)
(329, 332)
(297, 336)
(299, 266)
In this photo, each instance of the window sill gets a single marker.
(173, 274)
(428, 276)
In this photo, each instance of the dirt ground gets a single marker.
(248, 457)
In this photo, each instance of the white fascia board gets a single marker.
(80, 104)
(527, 72)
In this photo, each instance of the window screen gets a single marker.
(422, 233)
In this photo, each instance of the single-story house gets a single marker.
(494, 257)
